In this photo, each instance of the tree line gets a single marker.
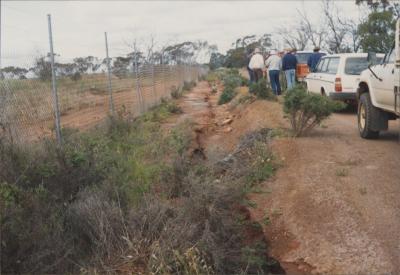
(121, 66)
(335, 32)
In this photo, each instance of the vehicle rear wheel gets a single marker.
(365, 117)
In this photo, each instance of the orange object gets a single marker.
(338, 84)
(302, 70)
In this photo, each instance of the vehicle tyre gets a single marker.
(365, 116)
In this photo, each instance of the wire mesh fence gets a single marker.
(87, 89)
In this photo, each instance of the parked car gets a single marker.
(338, 75)
(378, 92)
(302, 69)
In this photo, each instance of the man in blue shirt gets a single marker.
(314, 59)
(289, 64)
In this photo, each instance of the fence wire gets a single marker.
(27, 108)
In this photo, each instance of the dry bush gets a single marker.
(176, 92)
(96, 225)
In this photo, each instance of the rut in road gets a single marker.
(333, 204)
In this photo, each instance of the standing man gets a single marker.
(289, 64)
(257, 64)
(314, 59)
(249, 54)
(274, 65)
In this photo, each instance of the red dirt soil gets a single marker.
(333, 203)
(95, 109)
(337, 199)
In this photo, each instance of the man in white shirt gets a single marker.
(257, 64)
(274, 65)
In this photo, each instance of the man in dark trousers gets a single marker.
(314, 59)
(257, 64)
(289, 64)
(249, 54)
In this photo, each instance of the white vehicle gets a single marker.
(338, 75)
(379, 93)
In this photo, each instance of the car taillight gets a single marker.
(338, 84)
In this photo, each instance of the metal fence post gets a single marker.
(54, 85)
(109, 77)
(163, 73)
(153, 79)
(182, 71)
(3, 90)
(136, 70)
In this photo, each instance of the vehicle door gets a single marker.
(384, 89)
(328, 77)
(350, 76)
(321, 76)
(314, 77)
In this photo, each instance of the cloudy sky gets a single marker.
(79, 26)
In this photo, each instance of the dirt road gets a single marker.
(334, 205)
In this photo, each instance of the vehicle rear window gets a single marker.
(333, 65)
(325, 65)
(320, 64)
(355, 65)
(302, 58)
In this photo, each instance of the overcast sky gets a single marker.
(78, 26)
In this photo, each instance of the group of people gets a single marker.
(272, 65)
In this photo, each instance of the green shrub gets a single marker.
(305, 111)
(245, 81)
(227, 95)
(231, 80)
(261, 90)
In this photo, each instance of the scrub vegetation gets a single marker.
(305, 111)
(128, 196)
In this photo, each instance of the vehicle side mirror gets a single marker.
(371, 58)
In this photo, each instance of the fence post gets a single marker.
(54, 85)
(109, 77)
(3, 93)
(136, 69)
(153, 79)
(182, 72)
(163, 73)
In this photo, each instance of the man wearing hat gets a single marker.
(314, 59)
(257, 64)
(274, 65)
(249, 54)
(289, 64)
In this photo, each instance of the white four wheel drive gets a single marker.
(337, 76)
(378, 92)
